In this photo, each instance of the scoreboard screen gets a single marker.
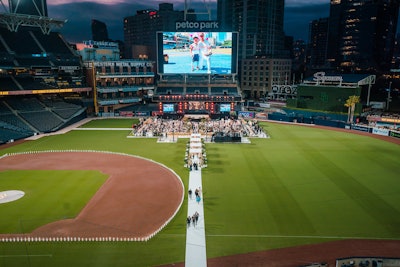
(197, 52)
(225, 108)
(168, 108)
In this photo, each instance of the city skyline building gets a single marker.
(225, 15)
(318, 43)
(299, 60)
(140, 29)
(259, 24)
(99, 31)
(260, 75)
(362, 35)
(262, 58)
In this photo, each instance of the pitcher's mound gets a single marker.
(10, 195)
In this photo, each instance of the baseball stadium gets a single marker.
(99, 159)
(301, 196)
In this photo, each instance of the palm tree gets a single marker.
(351, 105)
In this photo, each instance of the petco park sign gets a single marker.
(321, 77)
(196, 25)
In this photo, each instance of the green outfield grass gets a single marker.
(111, 123)
(301, 186)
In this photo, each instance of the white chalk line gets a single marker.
(25, 255)
(308, 236)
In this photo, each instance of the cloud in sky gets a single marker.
(298, 14)
(80, 14)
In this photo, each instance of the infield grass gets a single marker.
(50, 195)
(303, 185)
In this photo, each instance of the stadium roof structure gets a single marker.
(13, 21)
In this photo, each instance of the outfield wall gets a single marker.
(326, 121)
(367, 261)
(376, 130)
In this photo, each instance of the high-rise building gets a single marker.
(396, 53)
(140, 30)
(299, 60)
(318, 42)
(362, 34)
(225, 14)
(261, 40)
(260, 27)
(99, 31)
(29, 7)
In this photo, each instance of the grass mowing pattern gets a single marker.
(302, 185)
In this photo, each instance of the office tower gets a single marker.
(225, 14)
(362, 34)
(29, 7)
(140, 29)
(318, 42)
(396, 53)
(99, 31)
(299, 60)
(260, 26)
(261, 40)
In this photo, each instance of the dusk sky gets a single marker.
(298, 14)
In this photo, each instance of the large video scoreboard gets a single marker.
(177, 52)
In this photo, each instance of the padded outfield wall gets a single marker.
(324, 98)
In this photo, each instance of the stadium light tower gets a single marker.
(191, 11)
(28, 7)
(31, 13)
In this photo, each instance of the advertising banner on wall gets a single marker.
(361, 128)
(246, 114)
(394, 134)
(380, 131)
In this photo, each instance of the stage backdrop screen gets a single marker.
(197, 52)
(168, 108)
(225, 108)
(196, 105)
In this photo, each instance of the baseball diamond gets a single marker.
(105, 218)
(116, 210)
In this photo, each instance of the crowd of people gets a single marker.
(242, 127)
(154, 126)
(197, 194)
(384, 120)
(157, 127)
(195, 217)
(192, 219)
